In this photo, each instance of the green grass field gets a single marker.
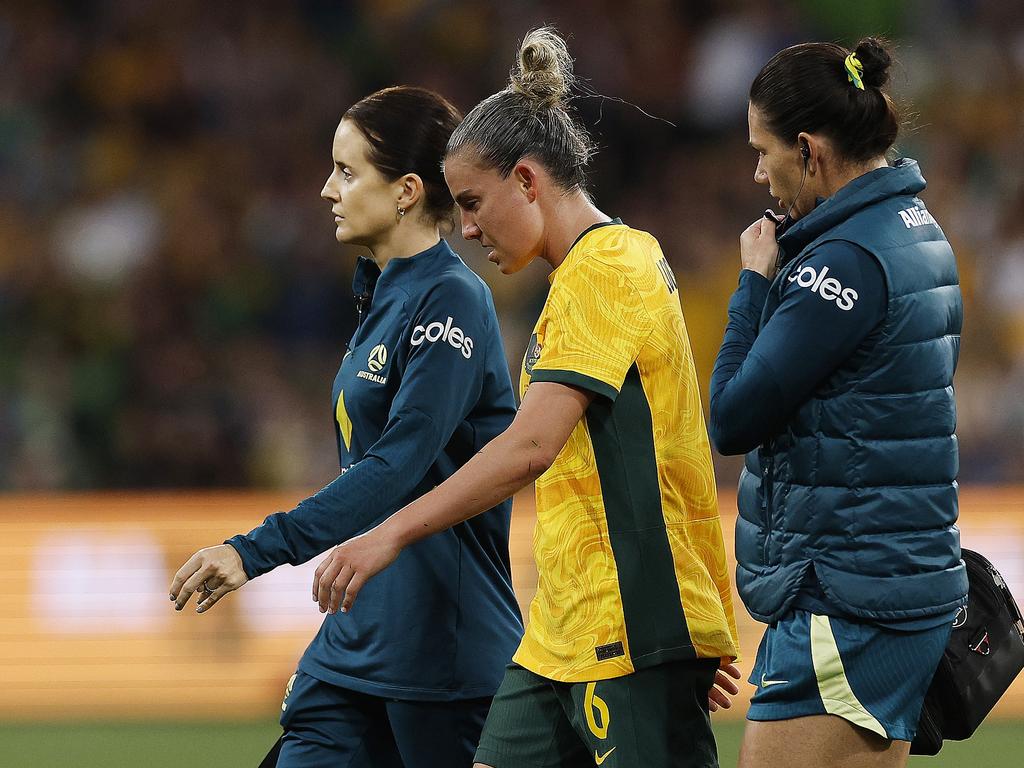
(143, 745)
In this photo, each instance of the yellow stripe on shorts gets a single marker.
(834, 688)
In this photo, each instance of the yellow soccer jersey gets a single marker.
(628, 542)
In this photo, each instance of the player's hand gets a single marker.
(339, 578)
(758, 248)
(210, 572)
(718, 696)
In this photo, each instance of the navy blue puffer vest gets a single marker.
(861, 483)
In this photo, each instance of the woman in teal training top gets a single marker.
(423, 386)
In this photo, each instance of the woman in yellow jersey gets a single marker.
(633, 614)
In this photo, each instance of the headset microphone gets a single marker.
(784, 221)
(805, 153)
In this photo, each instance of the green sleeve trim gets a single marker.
(575, 379)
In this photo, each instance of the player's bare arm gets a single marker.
(511, 461)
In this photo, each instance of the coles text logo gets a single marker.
(828, 288)
(446, 332)
(378, 356)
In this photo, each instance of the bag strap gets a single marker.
(270, 761)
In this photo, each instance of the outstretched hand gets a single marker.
(719, 695)
(212, 573)
(339, 578)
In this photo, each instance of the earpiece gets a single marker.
(805, 152)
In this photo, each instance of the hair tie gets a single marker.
(855, 71)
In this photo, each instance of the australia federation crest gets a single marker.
(532, 354)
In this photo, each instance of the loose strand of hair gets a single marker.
(588, 92)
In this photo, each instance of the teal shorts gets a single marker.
(872, 676)
(652, 718)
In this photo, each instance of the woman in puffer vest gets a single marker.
(835, 378)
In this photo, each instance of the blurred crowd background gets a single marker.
(173, 304)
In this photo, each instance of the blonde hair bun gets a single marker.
(543, 73)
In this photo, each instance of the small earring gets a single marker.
(401, 213)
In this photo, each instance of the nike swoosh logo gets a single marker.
(601, 758)
(766, 683)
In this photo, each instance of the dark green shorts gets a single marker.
(655, 717)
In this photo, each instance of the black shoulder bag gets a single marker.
(984, 655)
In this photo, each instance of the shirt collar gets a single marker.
(584, 233)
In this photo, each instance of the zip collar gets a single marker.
(398, 271)
(903, 177)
